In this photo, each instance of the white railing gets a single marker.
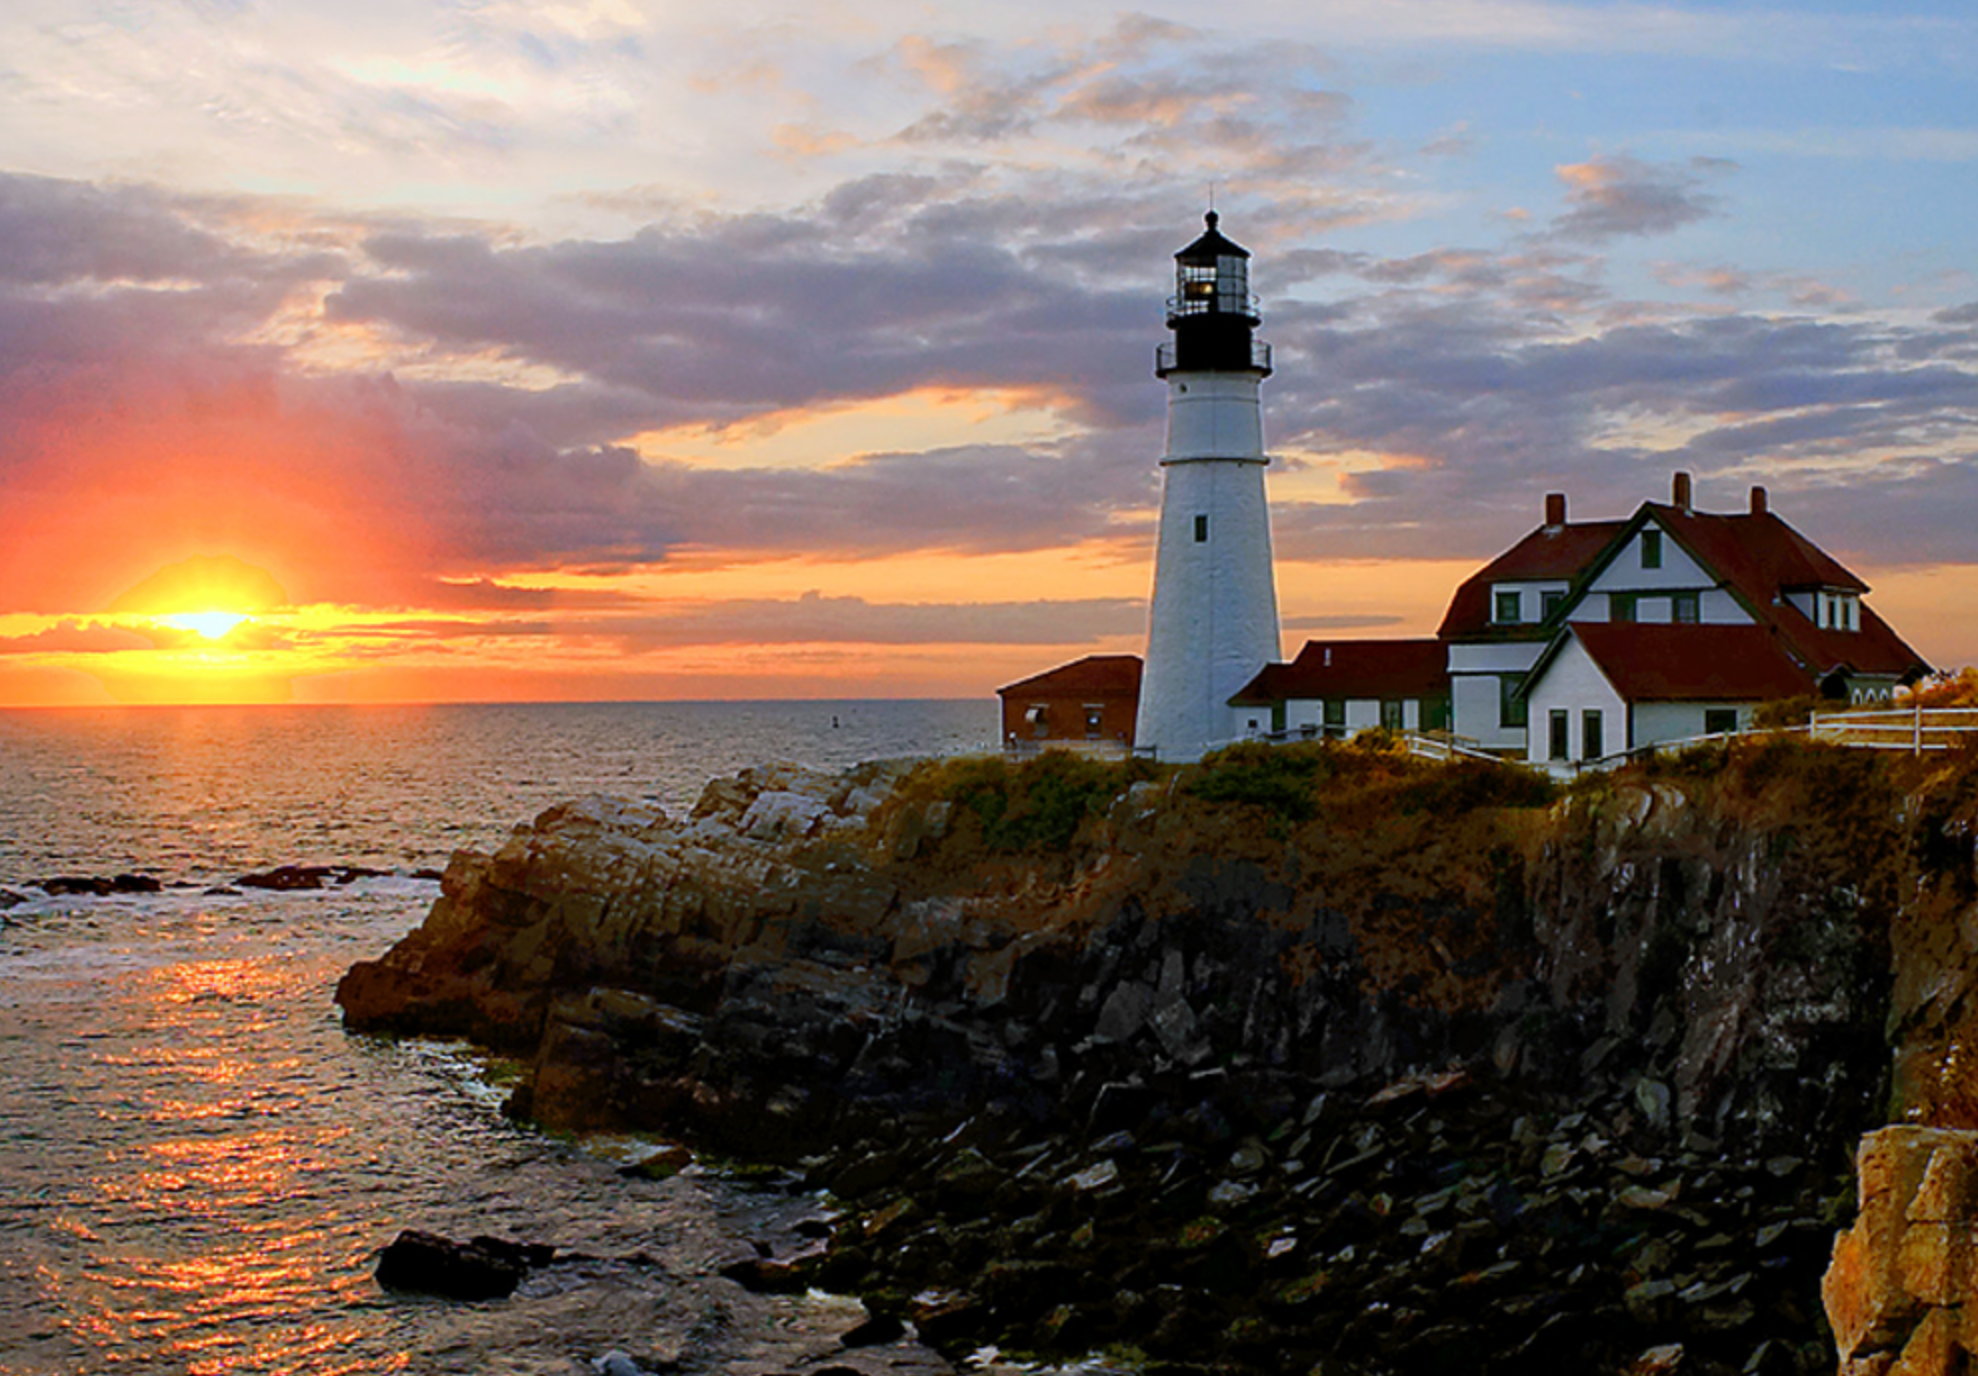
(1448, 747)
(1915, 729)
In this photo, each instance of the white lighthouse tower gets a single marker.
(1214, 618)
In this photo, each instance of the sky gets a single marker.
(470, 350)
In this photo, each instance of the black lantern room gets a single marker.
(1212, 312)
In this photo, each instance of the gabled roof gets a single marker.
(1095, 674)
(1756, 556)
(1326, 670)
(1760, 559)
(1874, 650)
(1683, 662)
(1756, 550)
(1550, 553)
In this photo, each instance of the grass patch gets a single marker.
(1365, 777)
(1038, 804)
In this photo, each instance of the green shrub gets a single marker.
(1280, 779)
(1040, 803)
(1369, 775)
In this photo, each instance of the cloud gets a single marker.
(812, 618)
(76, 638)
(1621, 196)
(815, 617)
(494, 417)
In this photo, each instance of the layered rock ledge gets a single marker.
(1297, 1057)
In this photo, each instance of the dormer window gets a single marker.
(1837, 611)
(1651, 549)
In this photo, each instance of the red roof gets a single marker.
(1353, 669)
(1093, 675)
(1669, 662)
(1556, 553)
(1757, 551)
(1758, 556)
(1762, 559)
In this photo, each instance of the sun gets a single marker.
(211, 625)
(208, 595)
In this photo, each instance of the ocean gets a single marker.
(198, 1166)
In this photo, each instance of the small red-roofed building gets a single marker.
(1604, 687)
(1091, 702)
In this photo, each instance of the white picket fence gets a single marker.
(1918, 730)
(1915, 729)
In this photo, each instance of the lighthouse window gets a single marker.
(1232, 281)
(1201, 530)
(1198, 286)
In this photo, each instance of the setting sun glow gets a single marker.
(211, 625)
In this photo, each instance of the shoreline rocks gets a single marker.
(282, 878)
(1414, 1067)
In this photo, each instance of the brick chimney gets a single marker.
(1759, 505)
(1682, 492)
(1555, 509)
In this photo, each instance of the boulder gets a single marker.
(287, 878)
(483, 1269)
(70, 885)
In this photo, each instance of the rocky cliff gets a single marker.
(1298, 1055)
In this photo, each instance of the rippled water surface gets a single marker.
(204, 792)
(197, 1166)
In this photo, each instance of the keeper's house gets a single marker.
(1587, 639)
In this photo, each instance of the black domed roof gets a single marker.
(1212, 245)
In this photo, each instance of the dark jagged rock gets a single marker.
(287, 878)
(482, 1269)
(67, 885)
(1413, 1082)
(70, 885)
(290, 878)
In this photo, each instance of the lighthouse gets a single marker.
(1214, 619)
